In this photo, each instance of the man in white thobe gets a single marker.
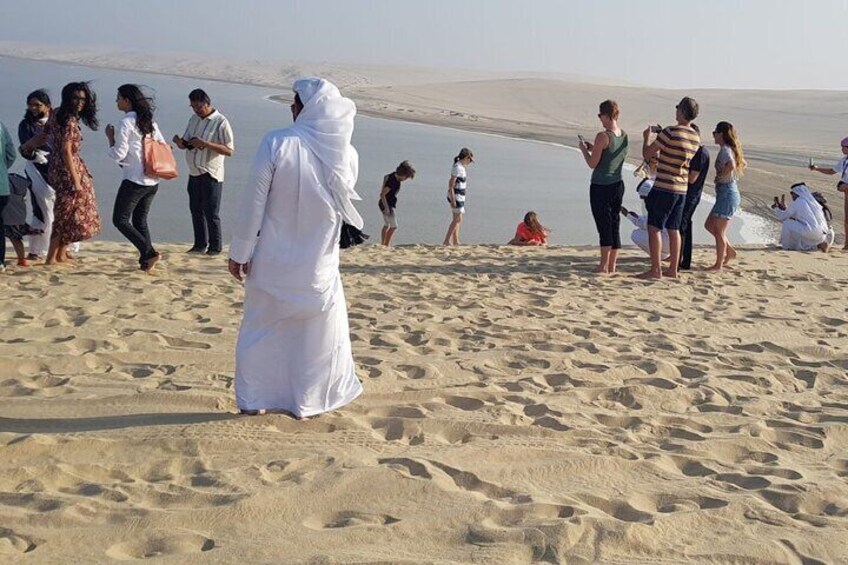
(805, 226)
(639, 236)
(293, 352)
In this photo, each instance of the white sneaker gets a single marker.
(2, 268)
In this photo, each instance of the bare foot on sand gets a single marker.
(649, 275)
(713, 269)
(730, 255)
(667, 274)
(152, 263)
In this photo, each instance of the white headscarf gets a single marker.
(325, 126)
(807, 210)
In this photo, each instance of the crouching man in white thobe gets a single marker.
(639, 236)
(293, 352)
(805, 221)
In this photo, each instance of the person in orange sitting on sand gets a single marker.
(530, 231)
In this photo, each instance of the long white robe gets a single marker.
(804, 224)
(639, 236)
(45, 197)
(293, 351)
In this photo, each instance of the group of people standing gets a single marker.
(62, 189)
(676, 163)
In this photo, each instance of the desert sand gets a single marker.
(517, 409)
(780, 129)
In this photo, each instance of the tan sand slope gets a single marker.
(517, 409)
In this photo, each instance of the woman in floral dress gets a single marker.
(76, 215)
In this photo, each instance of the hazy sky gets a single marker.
(719, 43)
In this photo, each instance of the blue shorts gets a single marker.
(727, 200)
(665, 209)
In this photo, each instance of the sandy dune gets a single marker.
(517, 409)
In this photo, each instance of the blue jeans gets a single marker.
(204, 201)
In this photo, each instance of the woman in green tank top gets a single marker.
(606, 193)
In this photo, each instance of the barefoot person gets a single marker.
(137, 190)
(6, 160)
(530, 231)
(841, 169)
(456, 193)
(75, 211)
(14, 217)
(606, 193)
(805, 220)
(36, 168)
(388, 199)
(729, 166)
(674, 147)
(293, 352)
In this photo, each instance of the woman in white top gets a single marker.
(137, 190)
(456, 193)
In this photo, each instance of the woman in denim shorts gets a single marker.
(729, 166)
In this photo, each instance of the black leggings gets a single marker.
(130, 217)
(606, 202)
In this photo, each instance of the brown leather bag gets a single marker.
(159, 159)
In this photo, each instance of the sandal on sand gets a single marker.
(259, 412)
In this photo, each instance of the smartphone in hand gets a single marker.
(581, 139)
(656, 129)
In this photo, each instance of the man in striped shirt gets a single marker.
(674, 147)
(207, 140)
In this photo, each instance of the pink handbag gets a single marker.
(159, 159)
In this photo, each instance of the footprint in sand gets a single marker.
(465, 403)
(349, 519)
(161, 545)
(179, 343)
(13, 543)
(620, 510)
(407, 467)
(672, 503)
(743, 481)
(295, 470)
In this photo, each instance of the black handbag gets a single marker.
(351, 236)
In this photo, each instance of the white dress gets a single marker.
(293, 351)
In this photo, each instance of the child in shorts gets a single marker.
(388, 199)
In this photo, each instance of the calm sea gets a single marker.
(508, 178)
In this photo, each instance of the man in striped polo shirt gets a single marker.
(674, 147)
(207, 140)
